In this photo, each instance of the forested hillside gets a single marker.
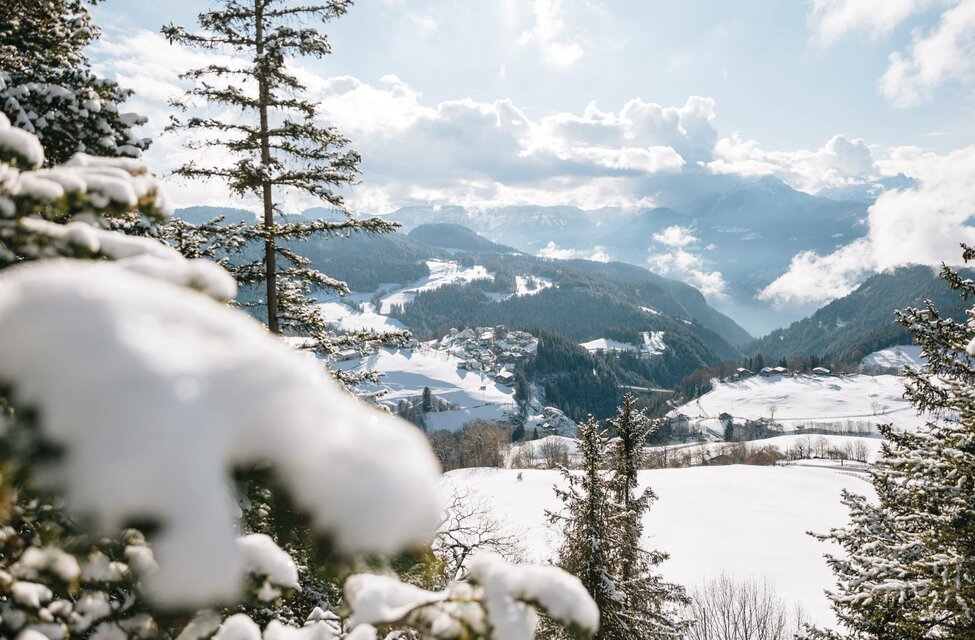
(862, 322)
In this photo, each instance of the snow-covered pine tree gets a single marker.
(267, 126)
(652, 605)
(590, 542)
(908, 567)
(47, 87)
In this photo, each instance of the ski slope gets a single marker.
(809, 401)
(741, 520)
(406, 372)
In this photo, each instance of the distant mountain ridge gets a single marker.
(862, 322)
(581, 300)
(747, 230)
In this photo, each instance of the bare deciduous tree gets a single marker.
(724, 609)
(467, 528)
(554, 453)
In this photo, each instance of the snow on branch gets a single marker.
(156, 393)
(499, 602)
(84, 184)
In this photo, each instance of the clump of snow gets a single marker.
(53, 560)
(265, 558)
(141, 255)
(31, 594)
(506, 586)
(501, 598)
(378, 599)
(134, 378)
(21, 144)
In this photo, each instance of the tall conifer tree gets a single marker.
(650, 602)
(908, 567)
(263, 121)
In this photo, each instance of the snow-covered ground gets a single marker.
(835, 402)
(741, 520)
(347, 319)
(811, 443)
(605, 344)
(653, 344)
(405, 373)
(442, 273)
(893, 358)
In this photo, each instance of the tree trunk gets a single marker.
(270, 262)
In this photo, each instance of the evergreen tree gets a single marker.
(589, 547)
(649, 601)
(908, 568)
(47, 87)
(261, 118)
(427, 400)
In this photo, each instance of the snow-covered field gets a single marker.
(405, 373)
(836, 402)
(653, 344)
(744, 521)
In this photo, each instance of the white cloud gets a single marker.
(922, 225)
(944, 54)
(675, 236)
(936, 56)
(841, 161)
(677, 257)
(548, 34)
(425, 24)
(464, 151)
(553, 251)
(833, 19)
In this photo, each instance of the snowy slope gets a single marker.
(442, 273)
(744, 521)
(894, 358)
(405, 373)
(810, 401)
(653, 344)
(345, 318)
(605, 344)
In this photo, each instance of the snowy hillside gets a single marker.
(442, 273)
(838, 403)
(406, 372)
(652, 345)
(894, 358)
(741, 520)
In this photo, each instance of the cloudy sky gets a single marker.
(577, 102)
